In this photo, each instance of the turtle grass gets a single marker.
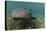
(37, 23)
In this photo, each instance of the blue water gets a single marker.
(37, 8)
